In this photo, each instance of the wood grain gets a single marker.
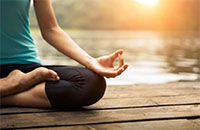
(182, 124)
(103, 116)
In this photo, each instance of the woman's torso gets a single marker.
(17, 45)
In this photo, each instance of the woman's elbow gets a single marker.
(48, 33)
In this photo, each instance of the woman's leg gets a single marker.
(34, 97)
(18, 81)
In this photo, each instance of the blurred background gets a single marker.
(160, 38)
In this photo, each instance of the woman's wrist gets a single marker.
(89, 62)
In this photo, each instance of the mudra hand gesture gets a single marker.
(104, 65)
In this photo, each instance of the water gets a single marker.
(153, 57)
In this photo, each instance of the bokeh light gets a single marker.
(148, 2)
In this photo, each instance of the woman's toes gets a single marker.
(46, 74)
(53, 75)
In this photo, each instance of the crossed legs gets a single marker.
(76, 87)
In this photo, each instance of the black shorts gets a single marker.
(77, 86)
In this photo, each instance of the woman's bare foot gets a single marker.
(18, 81)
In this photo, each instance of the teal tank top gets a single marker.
(16, 43)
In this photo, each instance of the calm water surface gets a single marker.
(153, 57)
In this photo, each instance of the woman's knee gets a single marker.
(78, 87)
(95, 86)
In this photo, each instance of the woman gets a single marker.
(25, 82)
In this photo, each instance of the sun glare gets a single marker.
(148, 2)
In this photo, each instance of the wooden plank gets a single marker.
(100, 116)
(196, 122)
(18, 110)
(176, 85)
(146, 102)
(149, 125)
(167, 85)
(151, 93)
(117, 103)
(173, 89)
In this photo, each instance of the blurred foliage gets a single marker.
(125, 14)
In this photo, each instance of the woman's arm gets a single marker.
(54, 35)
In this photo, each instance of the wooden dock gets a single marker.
(172, 106)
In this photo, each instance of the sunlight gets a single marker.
(147, 2)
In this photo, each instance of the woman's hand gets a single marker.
(104, 65)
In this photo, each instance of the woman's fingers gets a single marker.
(116, 54)
(121, 62)
(109, 74)
(114, 73)
(122, 69)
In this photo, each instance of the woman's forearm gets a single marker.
(63, 43)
